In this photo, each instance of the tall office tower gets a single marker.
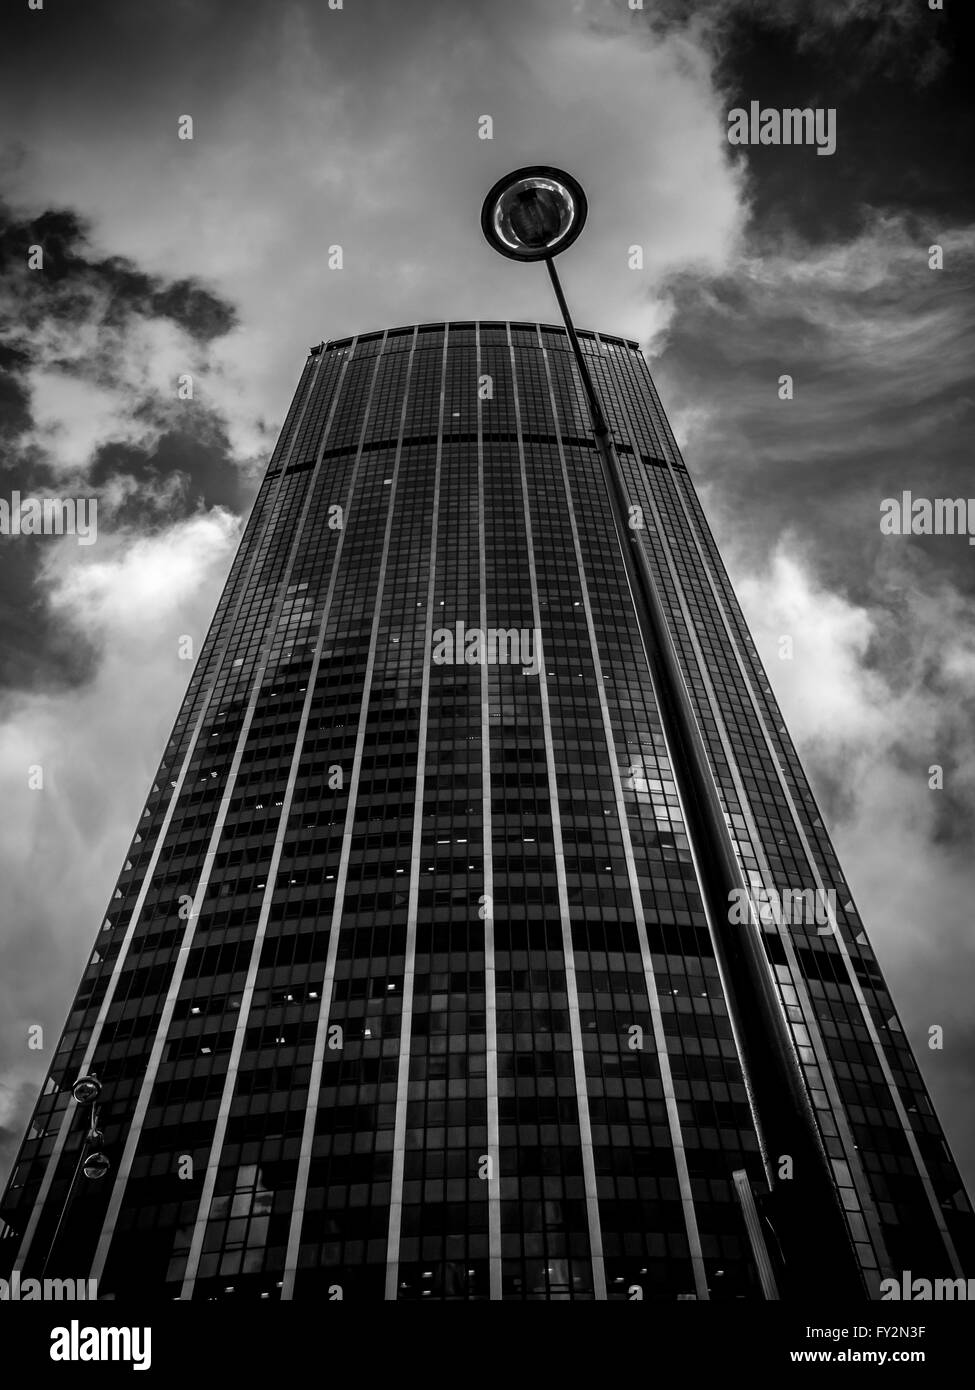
(419, 980)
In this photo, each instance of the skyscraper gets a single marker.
(419, 981)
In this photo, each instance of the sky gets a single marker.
(361, 127)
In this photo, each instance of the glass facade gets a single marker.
(409, 988)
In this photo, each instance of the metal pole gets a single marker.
(66, 1204)
(600, 428)
(785, 1114)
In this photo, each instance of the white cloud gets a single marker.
(832, 697)
(104, 369)
(873, 733)
(98, 746)
(72, 418)
(384, 159)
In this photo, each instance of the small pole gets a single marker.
(599, 425)
(70, 1193)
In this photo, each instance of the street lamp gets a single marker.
(86, 1089)
(95, 1166)
(91, 1162)
(534, 214)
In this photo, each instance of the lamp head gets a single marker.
(534, 213)
(86, 1089)
(95, 1166)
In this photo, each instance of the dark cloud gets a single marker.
(17, 1102)
(14, 399)
(898, 76)
(194, 308)
(185, 466)
(38, 652)
(879, 349)
(183, 472)
(64, 239)
(854, 41)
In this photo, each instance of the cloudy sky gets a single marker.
(359, 127)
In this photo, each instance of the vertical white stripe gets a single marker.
(839, 1113)
(406, 1028)
(726, 990)
(826, 1064)
(242, 583)
(656, 1016)
(165, 1018)
(572, 993)
(321, 1036)
(243, 1013)
(490, 976)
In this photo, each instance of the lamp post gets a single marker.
(91, 1161)
(534, 214)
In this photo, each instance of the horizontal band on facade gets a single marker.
(549, 330)
(487, 437)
